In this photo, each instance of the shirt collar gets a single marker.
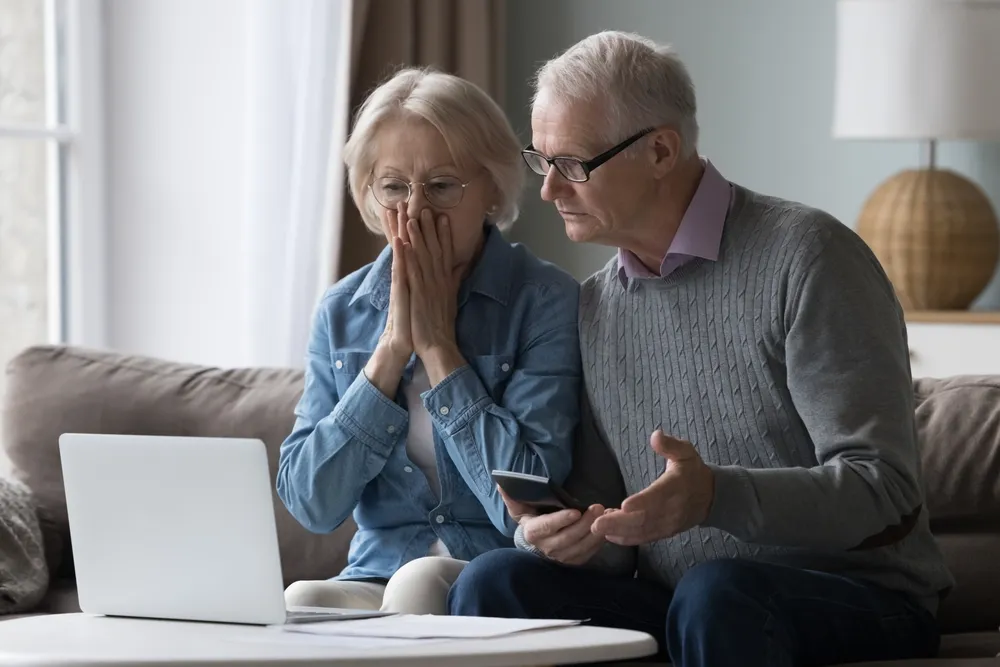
(490, 277)
(698, 235)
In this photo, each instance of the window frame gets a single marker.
(75, 172)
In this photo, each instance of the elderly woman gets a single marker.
(454, 354)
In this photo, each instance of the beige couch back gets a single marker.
(52, 390)
(958, 421)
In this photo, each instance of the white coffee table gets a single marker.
(75, 640)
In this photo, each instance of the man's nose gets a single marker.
(554, 185)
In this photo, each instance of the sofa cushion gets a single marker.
(971, 645)
(55, 389)
(958, 423)
(973, 605)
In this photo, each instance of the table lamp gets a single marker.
(924, 70)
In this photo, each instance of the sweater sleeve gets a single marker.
(848, 376)
(338, 443)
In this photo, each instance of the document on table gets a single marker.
(345, 642)
(410, 626)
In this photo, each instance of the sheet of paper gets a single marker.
(347, 642)
(406, 626)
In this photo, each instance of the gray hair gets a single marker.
(474, 128)
(639, 83)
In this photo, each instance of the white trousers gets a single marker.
(419, 587)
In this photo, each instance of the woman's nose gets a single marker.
(417, 203)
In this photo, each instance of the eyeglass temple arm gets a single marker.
(615, 150)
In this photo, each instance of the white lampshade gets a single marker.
(917, 69)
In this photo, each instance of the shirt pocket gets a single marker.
(494, 370)
(346, 366)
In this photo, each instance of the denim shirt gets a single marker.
(514, 406)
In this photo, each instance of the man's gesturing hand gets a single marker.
(678, 500)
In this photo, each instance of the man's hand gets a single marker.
(565, 536)
(678, 500)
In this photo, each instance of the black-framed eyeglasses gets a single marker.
(573, 168)
(440, 191)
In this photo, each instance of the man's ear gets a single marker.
(665, 150)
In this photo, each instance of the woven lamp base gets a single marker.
(936, 235)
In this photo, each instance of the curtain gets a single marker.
(297, 88)
(463, 37)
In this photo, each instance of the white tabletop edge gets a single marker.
(81, 640)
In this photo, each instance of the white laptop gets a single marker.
(177, 528)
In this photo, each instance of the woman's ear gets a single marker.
(495, 198)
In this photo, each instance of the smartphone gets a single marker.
(535, 491)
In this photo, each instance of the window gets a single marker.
(51, 276)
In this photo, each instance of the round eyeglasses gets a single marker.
(440, 192)
(573, 168)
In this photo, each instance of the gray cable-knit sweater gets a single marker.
(785, 363)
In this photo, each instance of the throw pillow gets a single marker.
(24, 576)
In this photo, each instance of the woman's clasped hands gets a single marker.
(423, 297)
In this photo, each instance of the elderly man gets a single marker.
(745, 362)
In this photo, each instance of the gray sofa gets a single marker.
(55, 389)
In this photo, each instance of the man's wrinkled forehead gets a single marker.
(563, 127)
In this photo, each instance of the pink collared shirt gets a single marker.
(700, 231)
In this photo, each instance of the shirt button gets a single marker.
(339, 364)
(443, 410)
(407, 469)
(439, 518)
(505, 368)
(390, 428)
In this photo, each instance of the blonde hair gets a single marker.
(474, 128)
(638, 82)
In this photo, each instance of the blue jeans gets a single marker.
(724, 612)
